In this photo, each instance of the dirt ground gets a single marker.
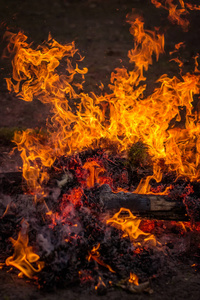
(101, 33)
(180, 283)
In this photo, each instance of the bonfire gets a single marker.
(113, 175)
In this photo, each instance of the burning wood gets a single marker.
(153, 206)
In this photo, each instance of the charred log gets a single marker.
(151, 206)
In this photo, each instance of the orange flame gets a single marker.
(95, 170)
(100, 283)
(37, 70)
(94, 254)
(133, 279)
(177, 47)
(132, 117)
(192, 6)
(23, 257)
(175, 14)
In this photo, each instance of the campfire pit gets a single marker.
(108, 196)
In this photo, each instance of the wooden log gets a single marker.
(150, 206)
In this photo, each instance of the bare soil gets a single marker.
(101, 33)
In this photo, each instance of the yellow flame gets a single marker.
(129, 224)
